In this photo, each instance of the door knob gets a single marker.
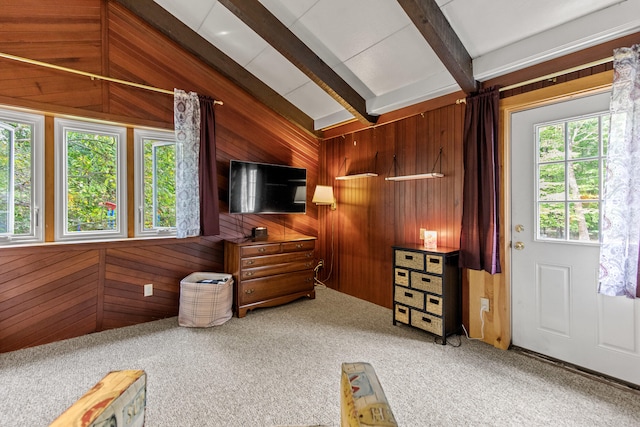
(519, 228)
(518, 246)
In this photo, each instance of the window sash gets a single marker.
(35, 233)
(565, 207)
(157, 140)
(62, 128)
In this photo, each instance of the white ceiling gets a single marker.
(374, 46)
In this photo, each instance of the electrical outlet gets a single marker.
(422, 230)
(148, 289)
(484, 304)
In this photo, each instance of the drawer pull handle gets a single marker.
(250, 262)
(408, 294)
(299, 245)
(434, 260)
(408, 257)
(262, 249)
(309, 255)
(249, 273)
(424, 279)
(402, 310)
(402, 274)
(426, 319)
(249, 291)
(308, 265)
(434, 301)
(308, 279)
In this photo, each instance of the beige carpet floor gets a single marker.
(281, 366)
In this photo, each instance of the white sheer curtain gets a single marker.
(186, 116)
(621, 219)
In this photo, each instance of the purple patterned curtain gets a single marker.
(186, 120)
(479, 237)
(209, 205)
(619, 255)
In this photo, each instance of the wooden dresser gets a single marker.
(270, 271)
(426, 289)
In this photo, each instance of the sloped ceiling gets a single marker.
(320, 63)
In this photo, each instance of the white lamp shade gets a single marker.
(323, 195)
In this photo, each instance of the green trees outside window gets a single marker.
(159, 184)
(90, 180)
(570, 172)
(92, 167)
(16, 180)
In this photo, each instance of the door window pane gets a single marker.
(551, 142)
(551, 181)
(570, 164)
(584, 177)
(584, 221)
(584, 138)
(551, 220)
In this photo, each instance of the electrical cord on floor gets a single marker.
(320, 283)
(452, 344)
(482, 311)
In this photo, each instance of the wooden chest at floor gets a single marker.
(271, 271)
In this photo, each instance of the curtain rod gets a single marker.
(90, 75)
(550, 76)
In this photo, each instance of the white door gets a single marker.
(556, 167)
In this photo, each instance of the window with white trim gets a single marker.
(570, 170)
(90, 171)
(155, 183)
(21, 177)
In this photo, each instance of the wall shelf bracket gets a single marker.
(431, 174)
(357, 175)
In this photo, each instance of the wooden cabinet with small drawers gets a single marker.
(426, 289)
(270, 272)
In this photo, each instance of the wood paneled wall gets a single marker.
(373, 214)
(62, 291)
(52, 292)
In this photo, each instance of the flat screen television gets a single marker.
(261, 188)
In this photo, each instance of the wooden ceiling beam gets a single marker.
(163, 21)
(274, 32)
(434, 27)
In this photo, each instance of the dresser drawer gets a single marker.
(426, 322)
(434, 264)
(300, 245)
(434, 305)
(426, 282)
(256, 250)
(402, 313)
(409, 297)
(270, 270)
(401, 277)
(259, 261)
(257, 290)
(409, 259)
